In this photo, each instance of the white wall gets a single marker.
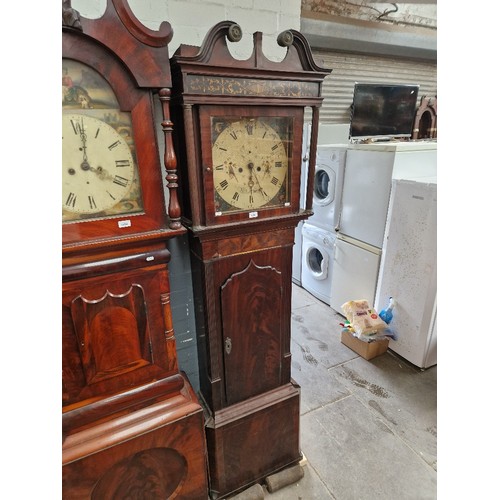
(191, 19)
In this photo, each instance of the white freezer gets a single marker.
(354, 272)
(408, 270)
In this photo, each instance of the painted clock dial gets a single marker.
(250, 163)
(98, 166)
(100, 178)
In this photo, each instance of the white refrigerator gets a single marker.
(369, 172)
(408, 270)
(364, 203)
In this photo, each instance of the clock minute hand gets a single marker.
(251, 183)
(85, 165)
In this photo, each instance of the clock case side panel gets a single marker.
(139, 103)
(207, 324)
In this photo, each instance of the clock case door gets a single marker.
(248, 348)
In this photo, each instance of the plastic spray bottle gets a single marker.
(386, 314)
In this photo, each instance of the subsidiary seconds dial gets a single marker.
(250, 165)
(97, 165)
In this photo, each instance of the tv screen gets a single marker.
(383, 110)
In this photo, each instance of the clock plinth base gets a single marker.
(156, 452)
(251, 440)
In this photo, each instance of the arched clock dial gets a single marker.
(98, 167)
(250, 164)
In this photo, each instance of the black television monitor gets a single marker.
(382, 110)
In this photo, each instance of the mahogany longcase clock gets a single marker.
(132, 425)
(240, 169)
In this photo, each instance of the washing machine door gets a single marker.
(324, 185)
(316, 257)
(317, 262)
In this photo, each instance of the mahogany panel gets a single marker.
(153, 473)
(156, 453)
(114, 333)
(252, 329)
(239, 440)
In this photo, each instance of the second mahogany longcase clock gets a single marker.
(240, 160)
(132, 425)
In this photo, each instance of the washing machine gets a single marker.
(328, 183)
(318, 247)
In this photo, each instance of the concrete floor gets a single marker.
(368, 428)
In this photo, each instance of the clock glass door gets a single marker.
(248, 160)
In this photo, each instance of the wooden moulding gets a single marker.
(120, 30)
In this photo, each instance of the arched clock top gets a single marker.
(120, 30)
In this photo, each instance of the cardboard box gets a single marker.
(367, 350)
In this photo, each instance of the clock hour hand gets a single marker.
(231, 171)
(260, 189)
(102, 173)
(251, 182)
